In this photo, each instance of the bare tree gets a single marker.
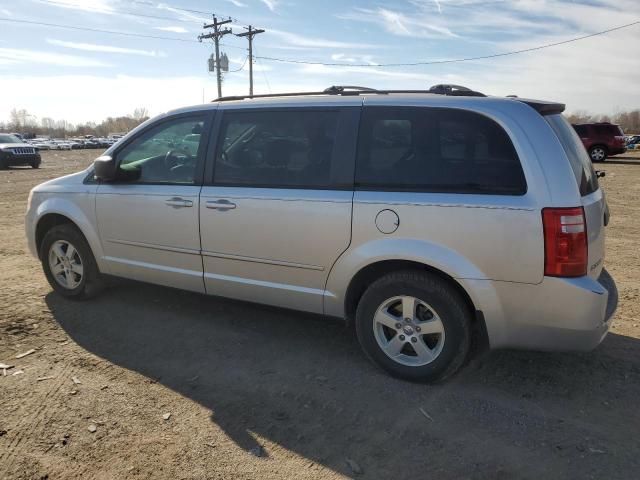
(19, 119)
(140, 114)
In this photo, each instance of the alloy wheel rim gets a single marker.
(597, 154)
(409, 331)
(65, 264)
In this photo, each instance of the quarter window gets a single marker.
(167, 153)
(291, 149)
(436, 150)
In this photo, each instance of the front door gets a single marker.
(148, 218)
(278, 213)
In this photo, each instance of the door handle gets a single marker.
(220, 205)
(177, 202)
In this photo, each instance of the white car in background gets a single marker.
(60, 145)
(40, 144)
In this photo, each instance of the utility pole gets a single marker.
(252, 32)
(216, 35)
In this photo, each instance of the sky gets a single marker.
(82, 76)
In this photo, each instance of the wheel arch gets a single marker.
(58, 211)
(371, 272)
(46, 223)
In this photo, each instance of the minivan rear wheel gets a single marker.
(69, 264)
(414, 325)
(598, 154)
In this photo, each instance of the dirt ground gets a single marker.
(254, 392)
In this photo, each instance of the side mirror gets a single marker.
(105, 168)
(601, 173)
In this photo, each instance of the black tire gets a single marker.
(91, 282)
(598, 153)
(443, 298)
(3, 165)
(35, 165)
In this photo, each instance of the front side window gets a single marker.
(287, 149)
(167, 153)
(436, 150)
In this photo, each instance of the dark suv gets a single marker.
(14, 151)
(601, 139)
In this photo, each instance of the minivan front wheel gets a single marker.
(68, 263)
(414, 325)
(598, 154)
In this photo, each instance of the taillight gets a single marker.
(565, 242)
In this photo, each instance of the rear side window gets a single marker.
(436, 150)
(287, 148)
(612, 130)
(581, 130)
(577, 154)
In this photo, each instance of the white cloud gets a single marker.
(5, 12)
(353, 58)
(183, 14)
(173, 29)
(271, 4)
(237, 3)
(91, 47)
(399, 23)
(296, 41)
(101, 6)
(15, 55)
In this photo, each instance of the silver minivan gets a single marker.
(430, 219)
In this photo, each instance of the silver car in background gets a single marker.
(426, 218)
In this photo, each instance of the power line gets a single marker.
(453, 60)
(118, 12)
(87, 29)
(143, 15)
(242, 67)
(332, 64)
(264, 75)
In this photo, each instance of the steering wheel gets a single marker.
(171, 159)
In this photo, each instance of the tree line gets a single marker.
(21, 121)
(629, 121)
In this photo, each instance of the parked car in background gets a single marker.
(601, 140)
(633, 142)
(428, 219)
(60, 145)
(40, 144)
(14, 151)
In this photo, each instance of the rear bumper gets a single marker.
(617, 150)
(559, 314)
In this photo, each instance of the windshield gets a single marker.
(577, 154)
(5, 138)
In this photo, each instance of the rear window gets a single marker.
(577, 154)
(436, 150)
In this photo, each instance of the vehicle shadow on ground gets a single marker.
(301, 381)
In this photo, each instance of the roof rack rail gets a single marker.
(333, 90)
(348, 89)
(442, 89)
(454, 91)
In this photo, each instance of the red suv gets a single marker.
(601, 139)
